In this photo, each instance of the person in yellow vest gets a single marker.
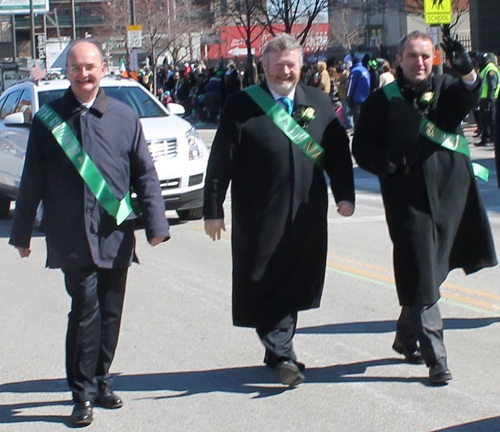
(490, 75)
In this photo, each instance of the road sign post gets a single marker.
(134, 36)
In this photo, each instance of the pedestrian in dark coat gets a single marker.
(93, 250)
(435, 214)
(279, 203)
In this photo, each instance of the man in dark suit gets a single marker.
(279, 201)
(86, 238)
(435, 212)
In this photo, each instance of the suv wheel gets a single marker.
(191, 214)
(4, 207)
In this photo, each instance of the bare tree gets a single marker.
(291, 12)
(247, 16)
(116, 14)
(346, 25)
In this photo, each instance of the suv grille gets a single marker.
(162, 149)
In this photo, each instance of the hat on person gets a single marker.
(357, 59)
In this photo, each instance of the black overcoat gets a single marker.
(79, 232)
(435, 213)
(279, 204)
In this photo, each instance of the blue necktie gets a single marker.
(288, 104)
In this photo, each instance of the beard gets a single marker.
(283, 87)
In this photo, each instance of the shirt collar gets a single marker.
(277, 96)
(87, 105)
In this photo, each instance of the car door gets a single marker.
(13, 139)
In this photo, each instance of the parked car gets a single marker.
(179, 154)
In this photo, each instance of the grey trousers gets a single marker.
(422, 324)
(278, 340)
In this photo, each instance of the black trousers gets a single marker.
(356, 111)
(93, 327)
(278, 340)
(425, 325)
(488, 117)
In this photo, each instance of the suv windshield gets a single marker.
(141, 102)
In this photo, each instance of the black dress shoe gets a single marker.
(300, 365)
(108, 399)
(82, 414)
(439, 374)
(288, 373)
(412, 356)
(482, 143)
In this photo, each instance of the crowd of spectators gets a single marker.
(203, 90)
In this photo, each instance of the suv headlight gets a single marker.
(195, 144)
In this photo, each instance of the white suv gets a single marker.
(179, 154)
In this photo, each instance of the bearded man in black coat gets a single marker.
(435, 213)
(279, 202)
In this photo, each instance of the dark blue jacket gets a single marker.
(79, 232)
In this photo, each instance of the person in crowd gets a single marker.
(88, 217)
(324, 78)
(372, 67)
(279, 199)
(232, 79)
(435, 214)
(490, 76)
(358, 87)
(386, 76)
(342, 82)
(213, 96)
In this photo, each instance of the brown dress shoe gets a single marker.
(288, 373)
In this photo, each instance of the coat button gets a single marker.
(88, 211)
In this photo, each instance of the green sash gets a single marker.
(450, 141)
(287, 124)
(119, 209)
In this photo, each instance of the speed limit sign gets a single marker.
(134, 36)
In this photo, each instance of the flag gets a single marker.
(37, 73)
(123, 69)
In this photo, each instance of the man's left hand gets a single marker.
(155, 241)
(458, 56)
(345, 208)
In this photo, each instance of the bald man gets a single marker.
(89, 234)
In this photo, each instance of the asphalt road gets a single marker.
(182, 366)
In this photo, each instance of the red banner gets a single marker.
(233, 41)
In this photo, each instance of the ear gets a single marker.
(399, 58)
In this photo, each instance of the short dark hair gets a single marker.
(79, 41)
(411, 36)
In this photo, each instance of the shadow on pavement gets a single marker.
(258, 380)
(11, 413)
(390, 326)
(486, 425)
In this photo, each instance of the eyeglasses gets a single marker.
(91, 68)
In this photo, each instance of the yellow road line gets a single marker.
(445, 293)
(387, 277)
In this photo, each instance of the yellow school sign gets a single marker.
(438, 11)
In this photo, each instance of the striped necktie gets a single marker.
(288, 104)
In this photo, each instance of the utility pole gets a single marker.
(14, 42)
(132, 12)
(73, 23)
(32, 30)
